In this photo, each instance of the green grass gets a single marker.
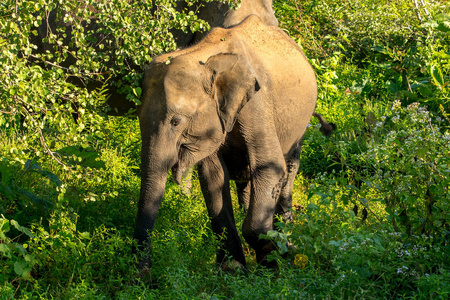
(82, 245)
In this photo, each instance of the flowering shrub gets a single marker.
(407, 163)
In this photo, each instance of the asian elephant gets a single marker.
(237, 105)
(219, 14)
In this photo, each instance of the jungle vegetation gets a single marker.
(371, 202)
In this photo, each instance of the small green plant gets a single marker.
(18, 260)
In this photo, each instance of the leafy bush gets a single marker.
(19, 261)
(403, 162)
(61, 60)
(401, 55)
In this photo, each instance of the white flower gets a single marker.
(396, 105)
(413, 106)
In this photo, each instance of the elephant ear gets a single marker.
(232, 82)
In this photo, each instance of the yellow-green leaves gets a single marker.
(438, 76)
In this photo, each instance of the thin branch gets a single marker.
(50, 63)
(371, 211)
(306, 27)
(12, 112)
(44, 143)
(417, 10)
(407, 81)
(47, 148)
(67, 69)
(424, 8)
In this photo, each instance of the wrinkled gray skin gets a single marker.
(244, 188)
(215, 13)
(237, 105)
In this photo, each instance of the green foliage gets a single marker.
(61, 60)
(407, 163)
(398, 54)
(19, 261)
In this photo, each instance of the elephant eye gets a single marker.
(175, 121)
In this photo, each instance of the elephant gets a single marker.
(236, 105)
(217, 14)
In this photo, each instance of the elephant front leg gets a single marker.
(214, 181)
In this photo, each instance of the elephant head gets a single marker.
(188, 106)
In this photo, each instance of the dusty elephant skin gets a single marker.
(237, 105)
(219, 14)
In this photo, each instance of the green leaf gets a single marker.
(272, 233)
(5, 250)
(4, 224)
(437, 75)
(53, 178)
(35, 199)
(352, 187)
(364, 202)
(334, 243)
(443, 21)
(137, 92)
(4, 227)
(23, 269)
(282, 247)
(21, 228)
(85, 235)
(311, 207)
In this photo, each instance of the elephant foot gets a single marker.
(232, 266)
(145, 275)
(144, 266)
(263, 253)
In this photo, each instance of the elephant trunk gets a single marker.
(155, 165)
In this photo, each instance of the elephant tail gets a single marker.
(326, 128)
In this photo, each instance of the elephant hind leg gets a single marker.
(243, 191)
(283, 207)
(214, 181)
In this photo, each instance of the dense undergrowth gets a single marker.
(371, 202)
